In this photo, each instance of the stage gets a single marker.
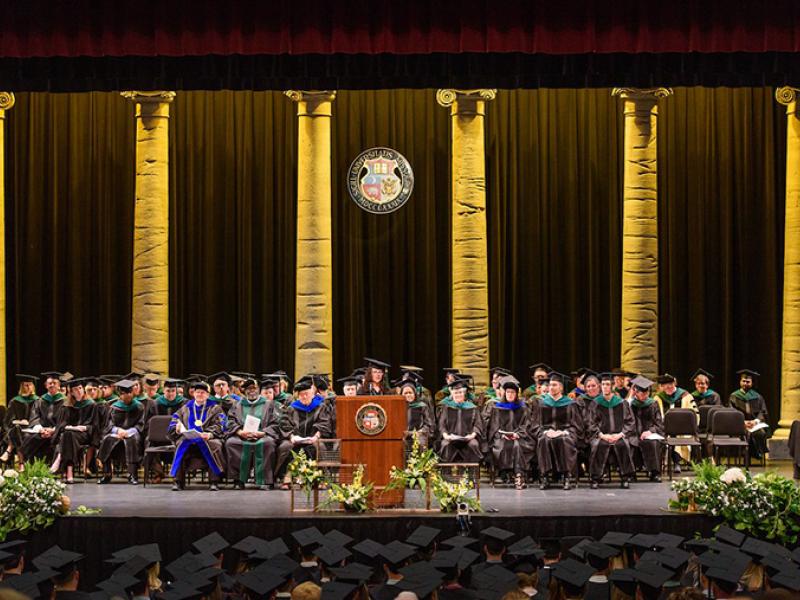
(136, 515)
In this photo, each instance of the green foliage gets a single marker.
(29, 500)
(451, 494)
(83, 511)
(305, 472)
(420, 466)
(354, 497)
(766, 506)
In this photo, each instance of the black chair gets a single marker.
(157, 442)
(703, 427)
(680, 429)
(728, 431)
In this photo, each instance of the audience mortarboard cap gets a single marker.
(459, 541)
(213, 543)
(573, 573)
(617, 539)
(422, 587)
(730, 536)
(668, 540)
(665, 378)
(727, 573)
(23, 378)
(336, 590)
(789, 580)
(701, 371)
(261, 585)
(57, 558)
(376, 364)
(250, 544)
(332, 556)
(118, 582)
(310, 536)
(396, 552)
(354, 572)
(600, 551)
(336, 538)
(369, 548)
(526, 547)
(748, 373)
(150, 552)
(578, 550)
(642, 541)
(499, 534)
(625, 580)
(423, 536)
(652, 575)
(270, 550)
(641, 382)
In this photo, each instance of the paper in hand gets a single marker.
(251, 424)
(191, 434)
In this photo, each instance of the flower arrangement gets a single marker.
(354, 497)
(305, 472)
(420, 467)
(451, 494)
(30, 499)
(766, 506)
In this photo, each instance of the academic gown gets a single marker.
(103, 406)
(160, 407)
(44, 413)
(711, 398)
(197, 453)
(462, 420)
(296, 419)
(510, 455)
(71, 443)
(123, 417)
(616, 418)
(259, 453)
(647, 417)
(753, 406)
(19, 409)
(419, 419)
(559, 454)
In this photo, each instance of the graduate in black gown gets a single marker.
(254, 448)
(556, 426)
(459, 426)
(198, 431)
(75, 430)
(647, 448)
(611, 426)
(18, 416)
(508, 434)
(302, 424)
(122, 434)
(419, 417)
(703, 394)
(375, 383)
(754, 408)
(40, 444)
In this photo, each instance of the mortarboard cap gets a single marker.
(641, 382)
(450, 371)
(262, 584)
(423, 536)
(459, 541)
(332, 556)
(730, 536)
(573, 573)
(51, 375)
(152, 378)
(526, 546)
(559, 377)
(349, 380)
(540, 365)
(336, 538)
(75, 382)
(458, 383)
(150, 552)
(219, 376)
(665, 378)
(617, 539)
(788, 579)
(251, 544)
(668, 540)
(397, 553)
(423, 586)
(748, 373)
(496, 533)
(22, 378)
(213, 543)
(376, 364)
(354, 572)
(171, 382)
(625, 580)
(642, 541)
(368, 548)
(125, 385)
(57, 558)
(303, 384)
(310, 536)
(701, 371)
(652, 575)
(336, 590)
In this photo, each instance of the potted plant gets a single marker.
(353, 497)
(415, 477)
(30, 499)
(305, 473)
(451, 494)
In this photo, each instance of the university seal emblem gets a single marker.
(380, 180)
(371, 419)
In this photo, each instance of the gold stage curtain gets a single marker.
(554, 160)
(69, 232)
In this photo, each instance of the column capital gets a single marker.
(449, 97)
(787, 95)
(311, 95)
(7, 100)
(652, 94)
(155, 97)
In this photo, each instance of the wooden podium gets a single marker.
(356, 419)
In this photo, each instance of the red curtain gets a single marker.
(48, 28)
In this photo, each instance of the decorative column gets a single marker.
(313, 350)
(150, 306)
(6, 103)
(639, 351)
(790, 347)
(470, 270)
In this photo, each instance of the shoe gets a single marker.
(238, 485)
(104, 479)
(69, 481)
(4, 457)
(624, 484)
(594, 484)
(519, 482)
(133, 480)
(176, 487)
(213, 487)
(566, 483)
(543, 483)
(655, 477)
(267, 487)
(676, 469)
